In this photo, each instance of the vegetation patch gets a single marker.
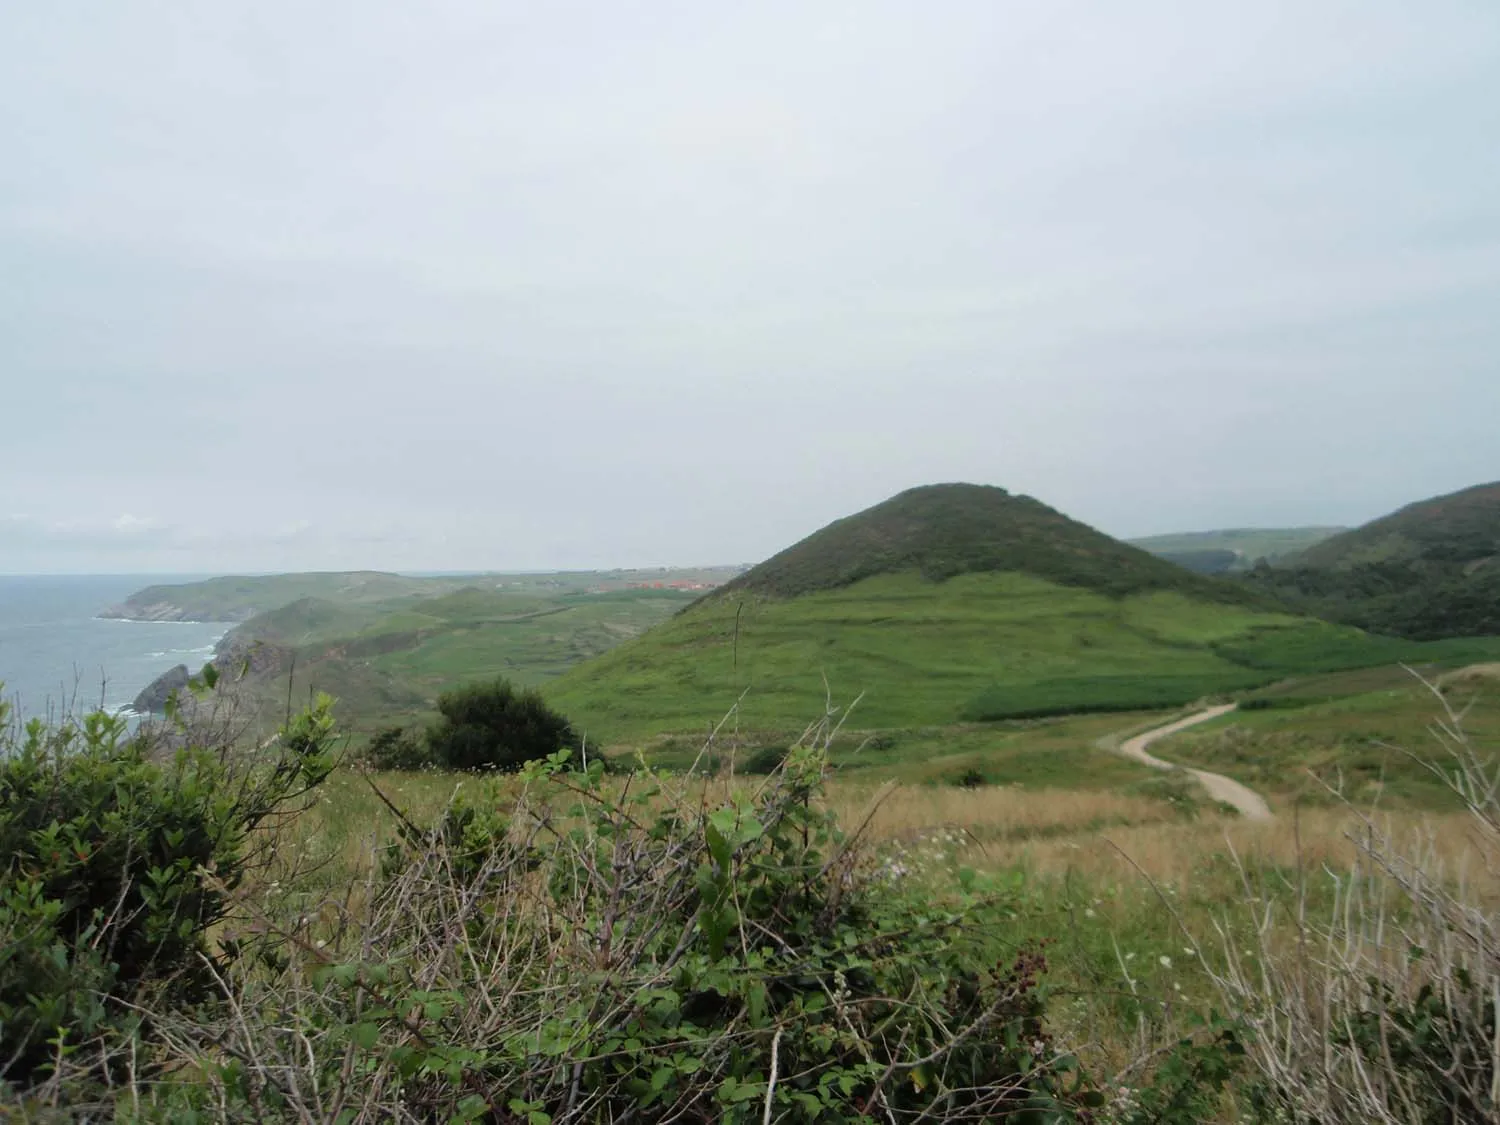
(990, 646)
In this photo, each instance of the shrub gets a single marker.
(763, 760)
(396, 748)
(643, 953)
(105, 841)
(493, 726)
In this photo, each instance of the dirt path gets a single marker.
(1252, 805)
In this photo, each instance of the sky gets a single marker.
(491, 285)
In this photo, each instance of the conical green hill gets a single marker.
(945, 604)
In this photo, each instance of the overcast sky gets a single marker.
(517, 285)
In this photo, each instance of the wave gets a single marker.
(138, 621)
(201, 650)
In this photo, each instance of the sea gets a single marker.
(57, 654)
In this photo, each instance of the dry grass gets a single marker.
(1182, 852)
(1378, 1000)
(1475, 675)
(1093, 833)
(349, 823)
(987, 814)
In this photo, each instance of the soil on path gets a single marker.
(1251, 805)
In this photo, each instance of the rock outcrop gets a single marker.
(132, 610)
(153, 700)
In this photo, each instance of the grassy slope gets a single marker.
(923, 653)
(388, 661)
(1356, 729)
(531, 644)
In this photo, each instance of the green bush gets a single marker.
(494, 726)
(105, 839)
(396, 748)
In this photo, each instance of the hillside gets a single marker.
(1460, 530)
(388, 660)
(1427, 571)
(932, 639)
(944, 530)
(1233, 549)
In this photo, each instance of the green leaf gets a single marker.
(366, 1035)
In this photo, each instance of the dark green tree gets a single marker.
(495, 726)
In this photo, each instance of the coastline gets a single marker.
(58, 654)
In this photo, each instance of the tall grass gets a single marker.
(1377, 1000)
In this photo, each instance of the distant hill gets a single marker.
(945, 604)
(1428, 571)
(239, 598)
(1233, 549)
(944, 530)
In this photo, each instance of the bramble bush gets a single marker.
(576, 948)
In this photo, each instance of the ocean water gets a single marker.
(55, 652)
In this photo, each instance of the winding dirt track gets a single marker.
(1252, 805)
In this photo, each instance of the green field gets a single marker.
(976, 647)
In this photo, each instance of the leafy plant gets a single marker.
(105, 838)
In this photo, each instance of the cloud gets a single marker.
(128, 524)
(507, 285)
(124, 531)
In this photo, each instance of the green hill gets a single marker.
(1460, 530)
(1233, 549)
(1428, 571)
(943, 530)
(946, 604)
